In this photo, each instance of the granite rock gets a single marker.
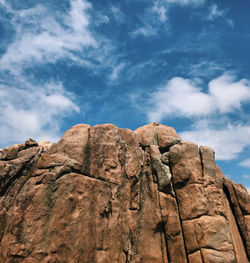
(105, 194)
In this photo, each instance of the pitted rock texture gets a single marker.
(104, 194)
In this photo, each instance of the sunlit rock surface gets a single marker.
(105, 194)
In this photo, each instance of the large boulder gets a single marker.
(157, 134)
(105, 194)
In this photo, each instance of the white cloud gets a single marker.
(245, 163)
(179, 97)
(182, 98)
(227, 142)
(229, 95)
(42, 36)
(246, 176)
(207, 109)
(33, 112)
(45, 39)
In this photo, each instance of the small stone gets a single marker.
(157, 134)
(165, 158)
(45, 144)
(30, 142)
(9, 153)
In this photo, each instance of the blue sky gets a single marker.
(184, 63)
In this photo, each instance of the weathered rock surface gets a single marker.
(104, 194)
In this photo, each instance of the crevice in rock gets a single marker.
(141, 199)
(202, 257)
(18, 257)
(87, 156)
(179, 214)
(28, 166)
(182, 184)
(95, 178)
(194, 218)
(2, 226)
(202, 165)
(107, 211)
(161, 226)
(126, 256)
(196, 250)
(143, 147)
(227, 194)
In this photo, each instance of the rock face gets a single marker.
(104, 194)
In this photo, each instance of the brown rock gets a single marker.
(213, 180)
(192, 201)
(173, 229)
(162, 171)
(157, 134)
(195, 257)
(209, 232)
(165, 158)
(10, 153)
(211, 255)
(240, 251)
(45, 144)
(30, 143)
(104, 194)
(73, 143)
(231, 191)
(186, 163)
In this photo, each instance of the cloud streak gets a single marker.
(155, 17)
(36, 108)
(245, 163)
(215, 12)
(40, 38)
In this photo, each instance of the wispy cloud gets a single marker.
(117, 14)
(31, 107)
(246, 176)
(116, 71)
(215, 12)
(186, 2)
(245, 163)
(36, 111)
(40, 38)
(155, 17)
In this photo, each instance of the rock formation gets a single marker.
(104, 194)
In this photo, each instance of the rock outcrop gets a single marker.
(105, 194)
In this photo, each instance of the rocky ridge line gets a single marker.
(105, 194)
